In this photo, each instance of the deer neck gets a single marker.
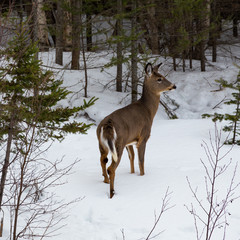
(150, 101)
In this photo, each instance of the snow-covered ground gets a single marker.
(173, 154)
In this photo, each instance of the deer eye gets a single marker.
(159, 80)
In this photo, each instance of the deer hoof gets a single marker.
(106, 180)
(112, 193)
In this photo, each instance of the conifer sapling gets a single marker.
(234, 118)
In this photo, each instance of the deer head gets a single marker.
(156, 82)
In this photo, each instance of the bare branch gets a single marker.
(215, 211)
(165, 206)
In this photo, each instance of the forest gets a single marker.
(67, 64)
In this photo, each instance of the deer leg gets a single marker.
(141, 153)
(104, 161)
(131, 157)
(111, 172)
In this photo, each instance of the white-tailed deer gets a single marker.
(131, 125)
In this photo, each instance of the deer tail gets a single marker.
(108, 138)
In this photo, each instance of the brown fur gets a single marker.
(132, 124)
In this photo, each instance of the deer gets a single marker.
(131, 125)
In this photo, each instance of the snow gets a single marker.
(173, 153)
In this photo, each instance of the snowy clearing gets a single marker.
(173, 153)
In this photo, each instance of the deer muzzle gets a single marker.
(173, 86)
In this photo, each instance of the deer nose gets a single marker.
(173, 87)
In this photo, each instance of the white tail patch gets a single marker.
(104, 141)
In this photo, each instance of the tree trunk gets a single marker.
(236, 120)
(38, 21)
(202, 44)
(7, 158)
(235, 26)
(183, 61)
(89, 32)
(144, 25)
(150, 25)
(134, 51)
(119, 47)
(42, 26)
(205, 24)
(174, 63)
(153, 25)
(202, 30)
(83, 54)
(214, 49)
(213, 31)
(35, 22)
(76, 30)
(67, 36)
(202, 56)
(59, 33)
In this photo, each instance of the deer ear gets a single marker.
(155, 69)
(148, 69)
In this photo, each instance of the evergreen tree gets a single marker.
(234, 118)
(29, 97)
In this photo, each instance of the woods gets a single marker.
(181, 29)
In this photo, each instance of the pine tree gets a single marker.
(29, 97)
(234, 118)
